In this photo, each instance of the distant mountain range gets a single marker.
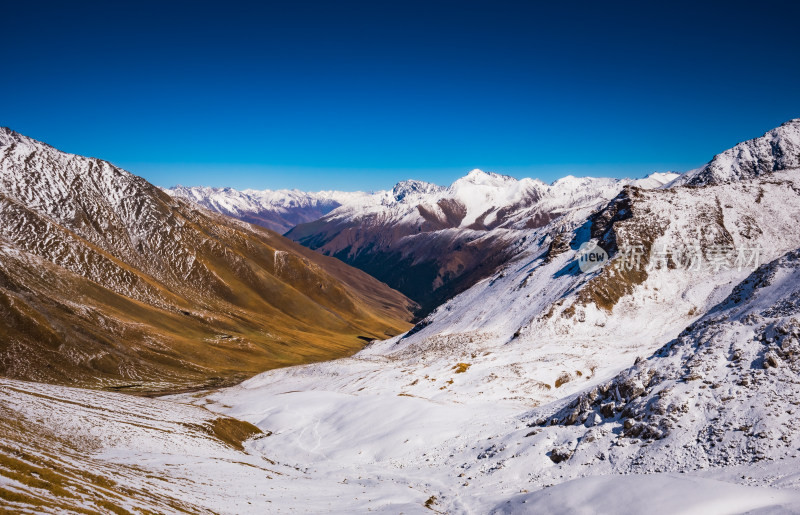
(105, 280)
(428, 241)
(278, 210)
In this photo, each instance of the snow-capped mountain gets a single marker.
(778, 149)
(104, 278)
(278, 210)
(723, 393)
(432, 242)
(403, 189)
(663, 386)
(449, 402)
(426, 240)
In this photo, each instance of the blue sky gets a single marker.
(359, 95)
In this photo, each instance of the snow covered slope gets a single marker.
(670, 387)
(724, 393)
(717, 404)
(105, 279)
(66, 450)
(448, 403)
(432, 242)
(279, 210)
(651, 493)
(72, 450)
(778, 149)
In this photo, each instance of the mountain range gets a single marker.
(278, 210)
(427, 241)
(106, 280)
(662, 380)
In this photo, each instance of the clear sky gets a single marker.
(359, 95)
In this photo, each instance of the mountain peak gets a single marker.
(9, 136)
(778, 149)
(403, 189)
(481, 178)
(656, 180)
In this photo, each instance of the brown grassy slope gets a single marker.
(107, 281)
(50, 438)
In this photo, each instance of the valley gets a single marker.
(664, 385)
(428, 241)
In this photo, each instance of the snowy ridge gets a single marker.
(403, 189)
(778, 149)
(432, 242)
(478, 193)
(492, 197)
(99, 221)
(279, 210)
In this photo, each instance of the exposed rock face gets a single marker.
(106, 279)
